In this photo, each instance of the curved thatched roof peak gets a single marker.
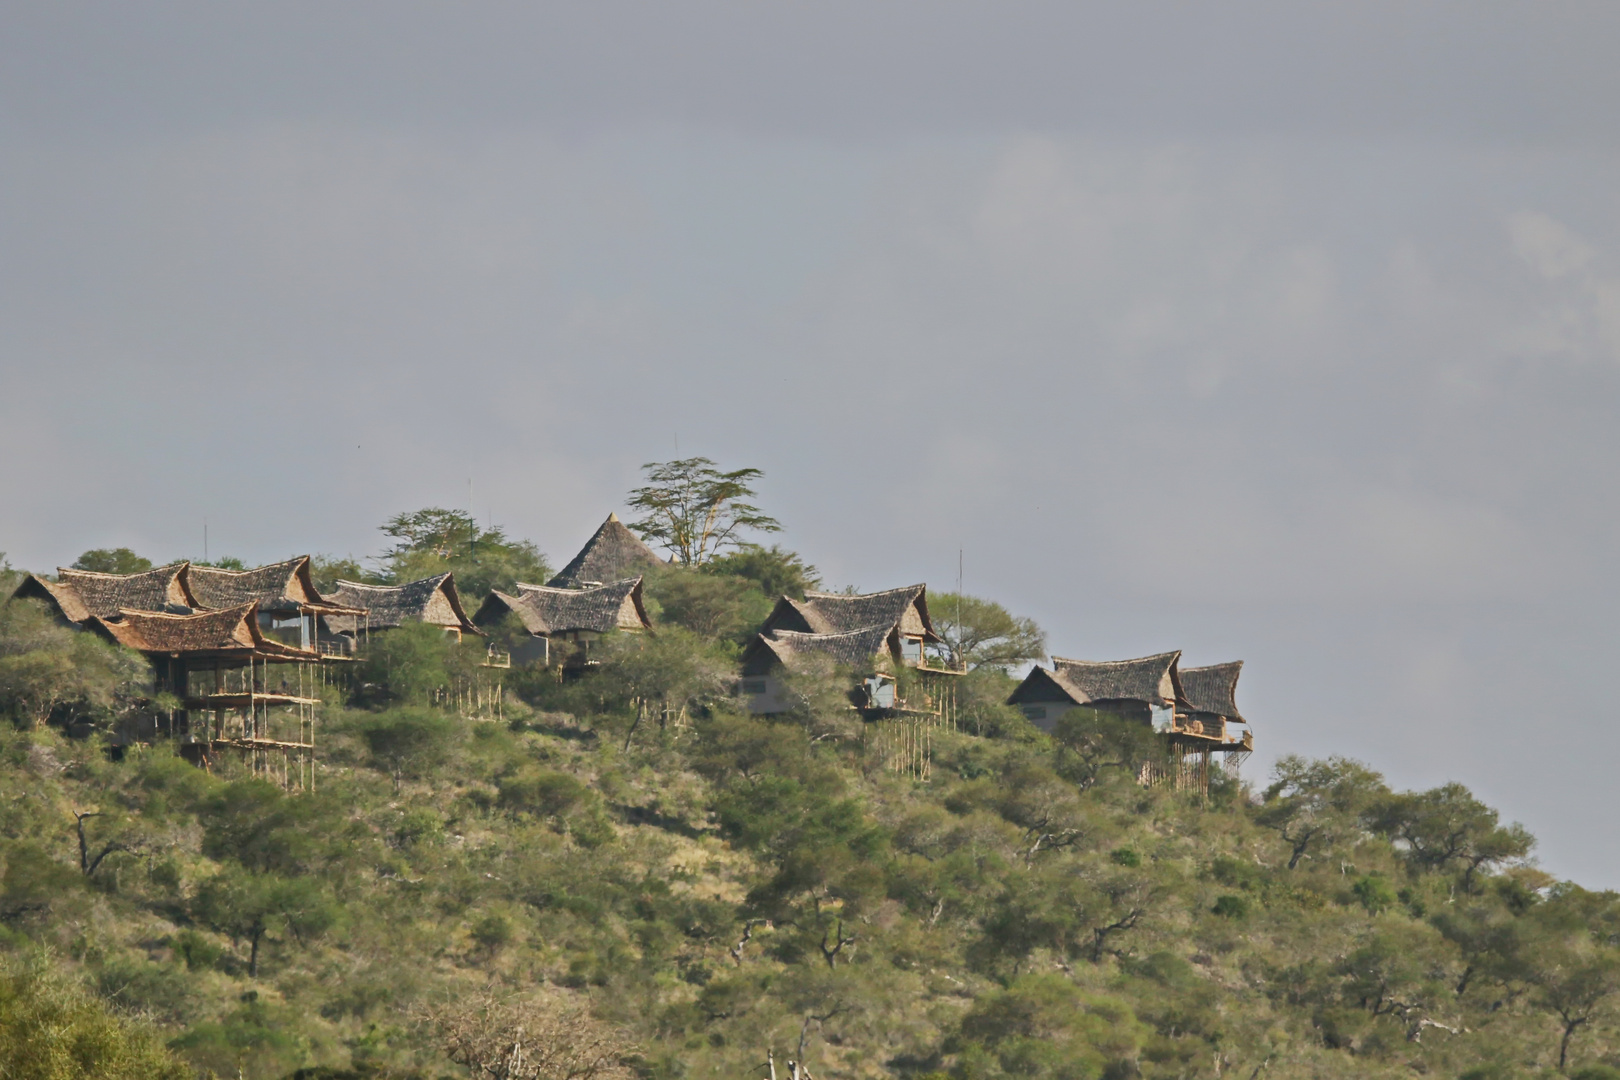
(613, 553)
(854, 648)
(842, 613)
(545, 610)
(232, 632)
(275, 587)
(431, 600)
(1213, 689)
(1151, 679)
(79, 594)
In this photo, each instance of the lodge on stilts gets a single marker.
(558, 625)
(236, 656)
(905, 680)
(368, 609)
(1192, 709)
(234, 689)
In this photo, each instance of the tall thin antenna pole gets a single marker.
(959, 658)
(205, 539)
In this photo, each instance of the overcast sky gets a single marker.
(1287, 332)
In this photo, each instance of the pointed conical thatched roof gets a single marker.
(613, 553)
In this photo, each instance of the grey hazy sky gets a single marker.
(1281, 331)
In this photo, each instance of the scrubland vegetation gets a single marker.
(624, 875)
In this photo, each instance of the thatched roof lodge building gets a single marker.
(612, 554)
(1193, 708)
(575, 616)
(269, 719)
(76, 596)
(1211, 694)
(1145, 690)
(774, 655)
(433, 600)
(872, 633)
(178, 645)
(290, 607)
(902, 613)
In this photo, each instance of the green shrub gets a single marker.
(50, 1030)
(420, 825)
(492, 932)
(1231, 907)
(197, 952)
(1374, 893)
(543, 793)
(408, 742)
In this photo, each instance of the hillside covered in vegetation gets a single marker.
(624, 874)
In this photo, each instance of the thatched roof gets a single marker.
(842, 613)
(612, 554)
(222, 635)
(1151, 679)
(79, 594)
(282, 586)
(546, 611)
(1213, 689)
(856, 648)
(431, 600)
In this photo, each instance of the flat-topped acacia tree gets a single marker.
(696, 511)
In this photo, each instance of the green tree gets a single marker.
(981, 633)
(712, 605)
(406, 664)
(1568, 951)
(546, 793)
(247, 907)
(433, 540)
(1043, 1026)
(328, 570)
(258, 825)
(1403, 971)
(1447, 826)
(1313, 805)
(224, 562)
(112, 561)
(661, 674)
(1046, 807)
(696, 511)
(31, 882)
(408, 741)
(48, 671)
(1092, 744)
(773, 570)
